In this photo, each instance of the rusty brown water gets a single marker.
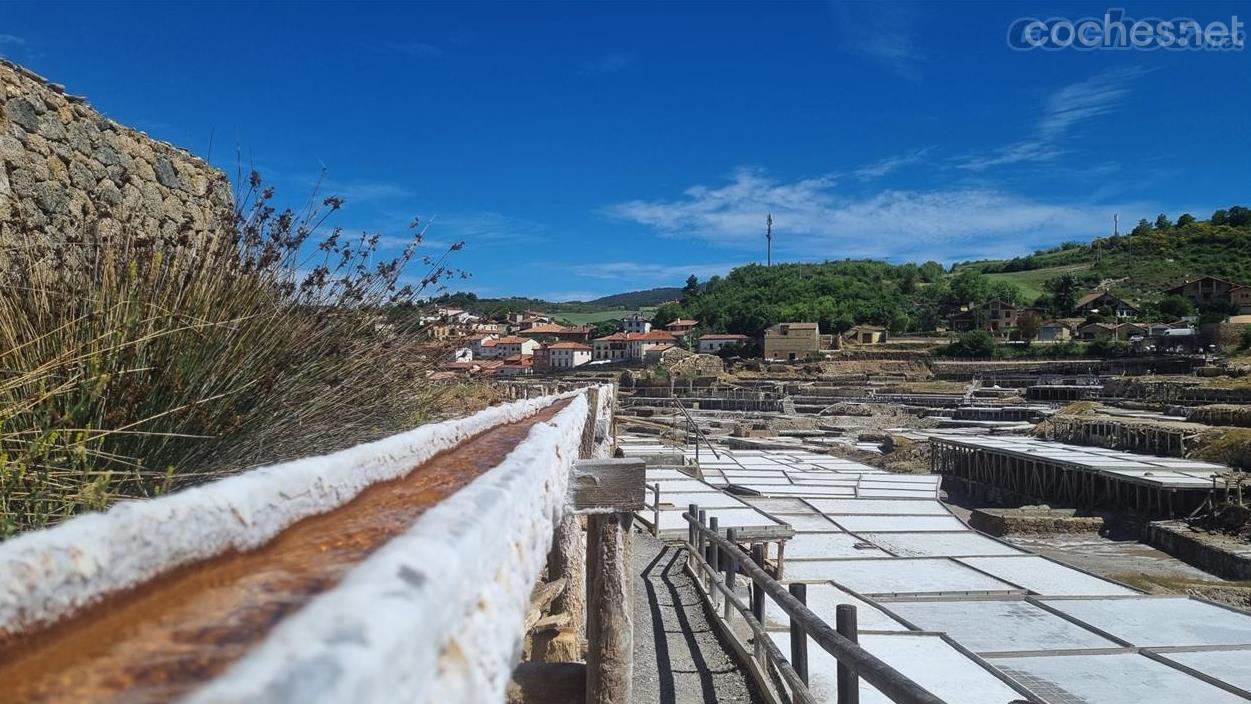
(160, 640)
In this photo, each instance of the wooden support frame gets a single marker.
(608, 492)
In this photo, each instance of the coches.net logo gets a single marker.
(1117, 31)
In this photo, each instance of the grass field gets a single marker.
(1031, 282)
(598, 316)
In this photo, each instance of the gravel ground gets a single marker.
(678, 656)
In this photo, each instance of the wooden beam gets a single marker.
(610, 627)
(608, 485)
(547, 683)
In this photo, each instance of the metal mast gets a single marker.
(769, 239)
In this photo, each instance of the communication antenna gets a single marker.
(769, 239)
(1116, 224)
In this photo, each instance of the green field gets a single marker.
(598, 316)
(1031, 282)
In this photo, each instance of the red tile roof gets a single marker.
(568, 346)
(653, 336)
(512, 340)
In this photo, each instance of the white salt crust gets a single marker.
(437, 614)
(47, 575)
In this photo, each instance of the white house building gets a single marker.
(711, 344)
(636, 323)
(567, 355)
(513, 346)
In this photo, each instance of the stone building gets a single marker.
(791, 341)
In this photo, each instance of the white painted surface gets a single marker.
(1042, 576)
(998, 626)
(1232, 666)
(926, 660)
(903, 524)
(896, 576)
(901, 507)
(1154, 621)
(828, 545)
(823, 599)
(1110, 679)
(938, 544)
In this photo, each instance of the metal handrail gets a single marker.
(890, 682)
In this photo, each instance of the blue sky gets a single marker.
(583, 149)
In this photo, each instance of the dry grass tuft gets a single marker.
(134, 363)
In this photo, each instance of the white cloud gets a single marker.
(660, 274)
(890, 164)
(883, 33)
(1062, 111)
(812, 220)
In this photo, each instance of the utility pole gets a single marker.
(769, 239)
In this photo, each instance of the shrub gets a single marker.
(1244, 342)
(974, 343)
(138, 362)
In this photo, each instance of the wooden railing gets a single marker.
(715, 561)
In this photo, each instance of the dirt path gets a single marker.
(678, 656)
(157, 642)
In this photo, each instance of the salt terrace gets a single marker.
(970, 618)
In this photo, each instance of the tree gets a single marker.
(931, 272)
(1028, 325)
(1239, 216)
(974, 343)
(1220, 217)
(1064, 290)
(969, 286)
(1162, 222)
(1185, 219)
(691, 289)
(1143, 227)
(1244, 343)
(1175, 307)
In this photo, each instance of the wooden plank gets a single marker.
(607, 485)
(610, 627)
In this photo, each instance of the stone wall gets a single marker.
(66, 170)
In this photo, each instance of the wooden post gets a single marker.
(848, 682)
(758, 605)
(799, 639)
(609, 491)
(731, 572)
(656, 509)
(714, 555)
(610, 627)
(567, 560)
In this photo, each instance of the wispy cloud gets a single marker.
(608, 63)
(885, 166)
(811, 219)
(487, 228)
(882, 32)
(648, 272)
(1062, 112)
(11, 40)
(365, 192)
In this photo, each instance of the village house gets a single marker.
(1128, 331)
(513, 346)
(792, 341)
(567, 355)
(639, 344)
(994, 315)
(516, 366)
(614, 347)
(1205, 290)
(558, 332)
(1104, 303)
(1096, 331)
(1055, 331)
(713, 343)
(481, 346)
(867, 335)
(656, 353)
(1240, 297)
(681, 327)
(636, 323)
